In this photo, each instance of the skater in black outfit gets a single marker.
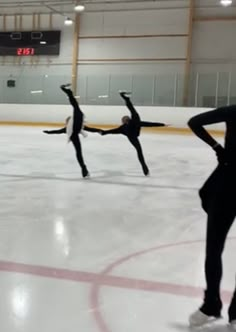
(131, 129)
(218, 196)
(76, 124)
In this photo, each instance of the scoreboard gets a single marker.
(30, 43)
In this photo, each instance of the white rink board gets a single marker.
(107, 115)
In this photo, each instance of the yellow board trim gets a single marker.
(31, 124)
(165, 130)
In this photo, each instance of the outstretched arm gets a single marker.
(152, 124)
(112, 131)
(92, 130)
(58, 131)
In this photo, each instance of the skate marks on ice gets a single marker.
(108, 178)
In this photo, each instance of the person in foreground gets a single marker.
(131, 129)
(74, 126)
(218, 197)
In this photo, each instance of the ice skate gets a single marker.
(125, 94)
(85, 173)
(198, 319)
(233, 325)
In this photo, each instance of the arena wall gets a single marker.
(103, 116)
(131, 49)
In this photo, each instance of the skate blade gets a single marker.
(210, 321)
(232, 325)
(125, 92)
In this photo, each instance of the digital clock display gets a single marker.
(26, 51)
(30, 43)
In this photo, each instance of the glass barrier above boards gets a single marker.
(203, 89)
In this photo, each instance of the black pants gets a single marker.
(78, 117)
(77, 145)
(135, 142)
(135, 122)
(219, 201)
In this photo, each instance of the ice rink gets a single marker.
(118, 252)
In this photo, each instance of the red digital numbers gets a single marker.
(19, 51)
(25, 51)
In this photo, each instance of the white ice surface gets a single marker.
(50, 216)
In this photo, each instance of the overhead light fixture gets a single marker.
(68, 21)
(36, 91)
(103, 96)
(79, 8)
(43, 42)
(226, 3)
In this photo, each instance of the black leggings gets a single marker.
(218, 199)
(219, 222)
(135, 142)
(135, 122)
(76, 142)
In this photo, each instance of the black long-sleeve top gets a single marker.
(225, 114)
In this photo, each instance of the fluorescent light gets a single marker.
(43, 42)
(68, 21)
(79, 8)
(103, 96)
(226, 3)
(36, 91)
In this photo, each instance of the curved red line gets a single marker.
(95, 289)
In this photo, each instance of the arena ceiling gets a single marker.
(67, 6)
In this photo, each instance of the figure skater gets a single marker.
(218, 196)
(74, 126)
(131, 129)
